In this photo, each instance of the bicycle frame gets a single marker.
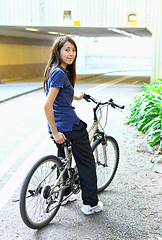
(93, 130)
(54, 190)
(67, 165)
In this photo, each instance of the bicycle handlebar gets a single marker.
(89, 98)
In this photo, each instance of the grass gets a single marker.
(146, 113)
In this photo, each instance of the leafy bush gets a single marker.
(146, 112)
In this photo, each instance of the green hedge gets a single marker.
(146, 112)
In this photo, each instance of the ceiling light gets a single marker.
(115, 30)
(32, 29)
(122, 32)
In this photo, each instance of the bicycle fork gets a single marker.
(104, 151)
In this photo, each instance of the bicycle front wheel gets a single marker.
(106, 153)
(38, 202)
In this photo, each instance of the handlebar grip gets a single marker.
(89, 98)
(118, 105)
(86, 97)
(122, 106)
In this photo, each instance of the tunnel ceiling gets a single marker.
(19, 31)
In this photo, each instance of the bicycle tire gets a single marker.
(105, 174)
(38, 182)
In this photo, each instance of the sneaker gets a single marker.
(88, 210)
(68, 198)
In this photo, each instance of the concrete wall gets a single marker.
(22, 58)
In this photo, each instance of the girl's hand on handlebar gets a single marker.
(79, 97)
(59, 137)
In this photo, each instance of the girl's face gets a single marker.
(68, 54)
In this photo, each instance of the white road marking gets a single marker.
(96, 80)
(104, 85)
(135, 82)
(12, 158)
(8, 190)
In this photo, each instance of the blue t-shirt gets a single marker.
(64, 112)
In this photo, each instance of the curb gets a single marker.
(20, 94)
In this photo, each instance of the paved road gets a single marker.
(130, 211)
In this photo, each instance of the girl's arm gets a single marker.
(48, 108)
(79, 97)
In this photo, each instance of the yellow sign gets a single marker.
(132, 18)
(76, 23)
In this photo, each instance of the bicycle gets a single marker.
(43, 188)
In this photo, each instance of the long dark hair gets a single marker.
(55, 60)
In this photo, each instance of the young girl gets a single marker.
(59, 81)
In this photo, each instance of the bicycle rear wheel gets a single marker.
(38, 204)
(106, 153)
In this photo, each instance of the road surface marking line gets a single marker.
(96, 80)
(9, 161)
(135, 82)
(10, 187)
(104, 85)
(110, 83)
